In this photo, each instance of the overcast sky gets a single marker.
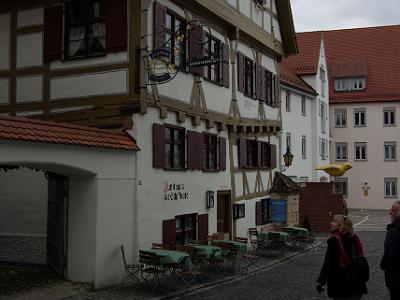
(313, 15)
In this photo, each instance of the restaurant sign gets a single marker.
(174, 191)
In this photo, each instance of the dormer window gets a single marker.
(349, 84)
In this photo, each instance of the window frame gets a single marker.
(210, 151)
(252, 153)
(389, 110)
(288, 102)
(265, 207)
(359, 112)
(86, 23)
(248, 77)
(342, 114)
(342, 186)
(342, 147)
(212, 68)
(264, 155)
(323, 148)
(289, 141)
(303, 147)
(303, 106)
(394, 151)
(360, 145)
(183, 231)
(393, 182)
(181, 143)
(183, 55)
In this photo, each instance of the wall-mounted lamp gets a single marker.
(210, 199)
(365, 187)
(288, 157)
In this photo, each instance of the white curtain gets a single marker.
(76, 40)
(98, 34)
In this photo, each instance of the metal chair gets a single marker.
(151, 270)
(131, 270)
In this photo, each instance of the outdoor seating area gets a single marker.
(199, 262)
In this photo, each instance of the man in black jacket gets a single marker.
(390, 262)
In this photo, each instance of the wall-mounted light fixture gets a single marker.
(288, 157)
(365, 187)
(210, 199)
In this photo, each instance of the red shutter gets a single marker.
(169, 233)
(116, 25)
(240, 71)
(225, 65)
(277, 93)
(196, 49)
(203, 227)
(53, 32)
(242, 150)
(273, 156)
(222, 153)
(195, 147)
(264, 85)
(269, 87)
(160, 15)
(259, 82)
(259, 154)
(158, 146)
(259, 217)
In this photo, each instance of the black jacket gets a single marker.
(332, 275)
(390, 262)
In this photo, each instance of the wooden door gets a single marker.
(223, 212)
(56, 220)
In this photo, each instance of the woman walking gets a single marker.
(341, 247)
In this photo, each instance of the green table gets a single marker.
(298, 231)
(168, 257)
(208, 250)
(283, 236)
(241, 246)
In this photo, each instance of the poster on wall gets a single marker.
(277, 211)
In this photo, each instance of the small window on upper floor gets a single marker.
(288, 101)
(389, 117)
(340, 118)
(349, 84)
(303, 105)
(360, 118)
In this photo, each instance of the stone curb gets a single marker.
(235, 278)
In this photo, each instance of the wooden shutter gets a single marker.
(225, 65)
(269, 85)
(203, 227)
(160, 16)
(264, 85)
(259, 82)
(277, 93)
(242, 150)
(259, 153)
(273, 156)
(116, 25)
(169, 233)
(53, 32)
(222, 153)
(259, 215)
(195, 147)
(240, 71)
(196, 49)
(158, 146)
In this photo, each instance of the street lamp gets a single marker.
(288, 157)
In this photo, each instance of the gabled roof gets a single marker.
(289, 78)
(283, 184)
(23, 129)
(286, 25)
(371, 52)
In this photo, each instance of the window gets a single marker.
(323, 117)
(185, 229)
(341, 151)
(349, 84)
(252, 153)
(340, 118)
(85, 31)
(264, 155)
(390, 187)
(359, 118)
(303, 105)
(174, 147)
(210, 152)
(390, 150)
(289, 141)
(175, 26)
(389, 117)
(288, 102)
(341, 186)
(323, 80)
(265, 210)
(270, 84)
(303, 147)
(360, 151)
(249, 77)
(322, 151)
(212, 49)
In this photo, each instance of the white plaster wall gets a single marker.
(112, 180)
(113, 82)
(4, 91)
(29, 88)
(23, 202)
(374, 169)
(5, 41)
(153, 208)
(297, 125)
(29, 50)
(179, 88)
(30, 17)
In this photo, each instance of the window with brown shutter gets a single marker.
(264, 155)
(174, 147)
(222, 153)
(185, 229)
(262, 212)
(116, 25)
(252, 157)
(169, 232)
(272, 156)
(53, 29)
(260, 73)
(160, 13)
(203, 227)
(196, 49)
(249, 77)
(259, 213)
(276, 92)
(212, 50)
(269, 87)
(242, 152)
(225, 65)
(174, 27)
(240, 71)
(194, 150)
(210, 152)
